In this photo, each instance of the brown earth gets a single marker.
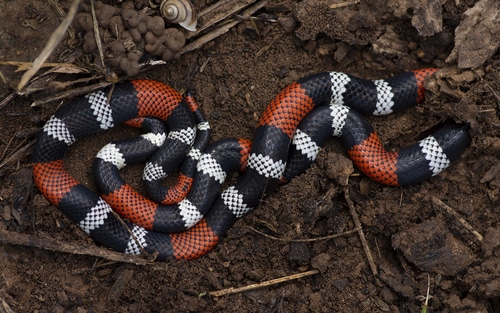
(444, 231)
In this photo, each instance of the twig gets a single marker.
(7, 99)
(213, 7)
(5, 308)
(17, 154)
(343, 4)
(54, 40)
(68, 68)
(221, 30)
(453, 213)
(362, 237)
(4, 80)
(347, 233)
(7, 146)
(228, 291)
(71, 93)
(13, 238)
(97, 35)
(217, 12)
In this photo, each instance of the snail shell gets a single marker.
(179, 11)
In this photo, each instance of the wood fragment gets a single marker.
(71, 93)
(447, 209)
(362, 237)
(97, 34)
(2, 77)
(218, 12)
(67, 68)
(18, 154)
(7, 100)
(490, 174)
(229, 291)
(343, 4)
(204, 65)
(7, 146)
(13, 238)
(5, 308)
(199, 42)
(41, 82)
(347, 233)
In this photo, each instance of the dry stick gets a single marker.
(218, 12)
(17, 155)
(13, 238)
(64, 67)
(343, 4)
(362, 237)
(453, 213)
(7, 146)
(213, 7)
(54, 40)
(347, 233)
(3, 78)
(41, 81)
(5, 308)
(72, 93)
(6, 100)
(97, 35)
(228, 291)
(220, 31)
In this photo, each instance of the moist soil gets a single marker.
(440, 237)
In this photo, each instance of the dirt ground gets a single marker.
(443, 233)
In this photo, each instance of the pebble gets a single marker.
(321, 262)
(288, 24)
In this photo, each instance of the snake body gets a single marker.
(287, 139)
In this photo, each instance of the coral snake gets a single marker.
(194, 214)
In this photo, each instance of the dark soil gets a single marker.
(416, 234)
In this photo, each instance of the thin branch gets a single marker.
(199, 42)
(347, 233)
(13, 238)
(97, 35)
(267, 283)
(362, 237)
(17, 155)
(446, 208)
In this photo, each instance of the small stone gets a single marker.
(321, 262)
(288, 24)
(339, 168)
(381, 304)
